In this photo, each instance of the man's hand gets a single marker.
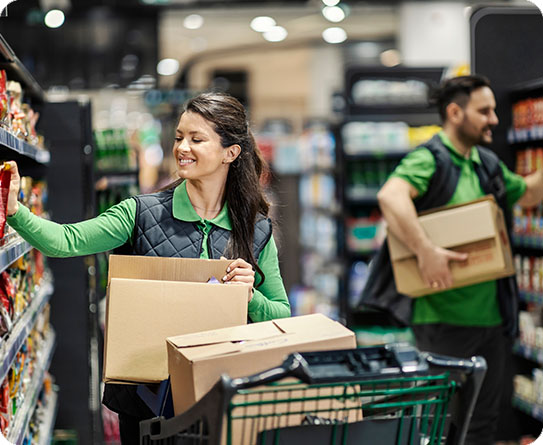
(434, 266)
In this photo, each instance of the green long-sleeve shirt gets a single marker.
(114, 227)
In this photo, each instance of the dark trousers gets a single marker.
(464, 342)
(129, 428)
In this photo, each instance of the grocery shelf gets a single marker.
(22, 327)
(529, 352)
(536, 411)
(376, 155)
(528, 240)
(115, 172)
(10, 142)
(17, 71)
(116, 180)
(19, 425)
(415, 117)
(531, 85)
(332, 211)
(11, 252)
(361, 254)
(46, 427)
(519, 135)
(531, 296)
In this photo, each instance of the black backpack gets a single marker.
(380, 291)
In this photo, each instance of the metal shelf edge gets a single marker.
(12, 253)
(49, 423)
(528, 352)
(531, 296)
(22, 327)
(529, 408)
(16, 435)
(23, 148)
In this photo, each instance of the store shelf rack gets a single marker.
(11, 252)
(376, 155)
(46, 427)
(18, 72)
(533, 410)
(19, 424)
(21, 328)
(531, 296)
(528, 352)
(10, 142)
(526, 240)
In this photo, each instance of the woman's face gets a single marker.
(198, 151)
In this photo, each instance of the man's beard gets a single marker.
(474, 139)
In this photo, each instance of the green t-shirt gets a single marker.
(114, 227)
(474, 305)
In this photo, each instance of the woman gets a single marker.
(215, 209)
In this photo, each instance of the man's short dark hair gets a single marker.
(457, 90)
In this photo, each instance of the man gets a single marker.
(470, 320)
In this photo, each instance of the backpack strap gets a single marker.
(444, 180)
(380, 292)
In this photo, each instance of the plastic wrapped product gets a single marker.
(5, 178)
(4, 109)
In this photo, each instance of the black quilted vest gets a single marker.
(158, 233)
(380, 291)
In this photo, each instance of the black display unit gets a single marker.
(67, 128)
(364, 104)
(506, 47)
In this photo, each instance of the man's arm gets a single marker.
(396, 203)
(534, 190)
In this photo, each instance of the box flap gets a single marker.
(449, 227)
(166, 269)
(255, 331)
(315, 324)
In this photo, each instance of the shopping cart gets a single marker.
(390, 394)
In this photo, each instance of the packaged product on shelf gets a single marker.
(524, 388)
(5, 178)
(15, 108)
(4, 107)
(358, 276)
(30, 121)
(5, 405)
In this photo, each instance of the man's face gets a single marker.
(479, 117)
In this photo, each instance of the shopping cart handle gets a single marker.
(293, 366)
(472, 365)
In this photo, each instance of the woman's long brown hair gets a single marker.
(244, 193)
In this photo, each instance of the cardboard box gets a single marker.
(151, 298)
(476, 227)
(196, 361)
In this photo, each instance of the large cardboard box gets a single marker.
(152, 298)
(476, 227)
(196, 361)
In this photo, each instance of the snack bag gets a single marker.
(5, 178)
(4, 110)
(16, 113)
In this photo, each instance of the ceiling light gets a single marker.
(167, 67)
(275, 34)
(262, 23)
(390, 57)
(54, 18)
(333, 13)
(330, 2)
(193, 21)
(334, 35)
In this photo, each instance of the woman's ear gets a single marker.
(231, 153)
